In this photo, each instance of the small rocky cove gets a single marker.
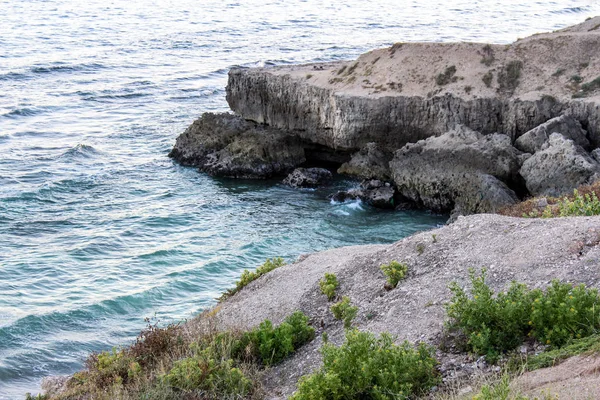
(455, 128)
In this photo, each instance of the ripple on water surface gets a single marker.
(99, 228)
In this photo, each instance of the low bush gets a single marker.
(551, 358)
(578, 205)
(366, 367)
(446, 77)
(491, 324)
(154, 341)
(207, 373)
(269, 345)
(249, 276)
(487, 79)
(344, 311)
(394, 272)
(495, 324)
(587, 88)
(508, 77)
(328, 285)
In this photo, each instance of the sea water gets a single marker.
(99, 228)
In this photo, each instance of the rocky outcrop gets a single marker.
(373, 192)
(395, 96)
(228, 146)
(392, 109)
(533, 251)
(307, 177)
(566, 125)
(559, 167)
(461, 171)
(370, 162)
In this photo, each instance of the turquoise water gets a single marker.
(100, 229)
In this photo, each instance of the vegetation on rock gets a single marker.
(367, 367)
(249, 276)
(585, 201)
(344, 311)
(328, 285)
(210, 365)
(493, 325)
(394, 272)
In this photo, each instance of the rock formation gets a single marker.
(307, 177)
(560, 164)
(373, 192)
(379, 117)
(226, 145)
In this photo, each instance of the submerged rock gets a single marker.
(565, 125)
(559, 167)
(372, 191)
(461, 170)
(307, 177)
(228, 146)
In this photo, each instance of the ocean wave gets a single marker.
(59, 67)
(80, 151)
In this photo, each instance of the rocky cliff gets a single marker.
(393, 115)
(411, 91)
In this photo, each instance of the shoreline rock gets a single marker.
(225, 145)
(307, 177)
(380, 117)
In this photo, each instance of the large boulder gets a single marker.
(307, 177)
(460, 170)
(226, 145)
(566, 125)
(371, 162)
(559, 167)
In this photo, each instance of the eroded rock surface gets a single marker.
(226, 145)
(307, 177)
(559, 167)
(374, 192)
(394, 96)
(566, 125)
(371, 162)
(461, 170)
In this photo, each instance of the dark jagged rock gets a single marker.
(226, 145)
(373, 192)
(307, 177)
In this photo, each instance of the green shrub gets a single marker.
(109, 367)
(328, 285)
(366, 367)
(206, 373)
(564, 313)
(493, 325)
(29, 396)
(580, 205)
(394, 272)
(587, 88)
(551, 358)
(269, 345)
(249, 276)
(344, 311)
